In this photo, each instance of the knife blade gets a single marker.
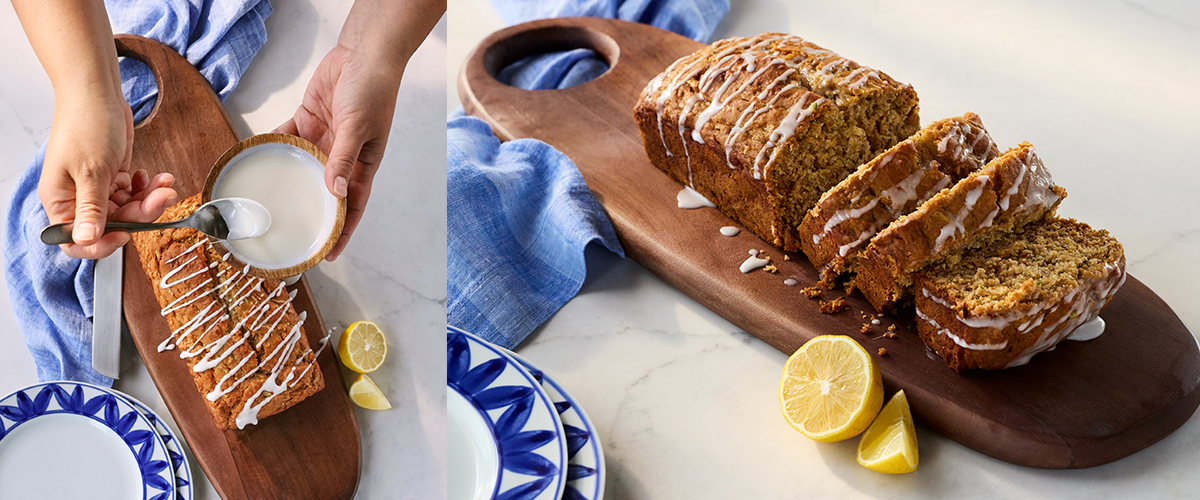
(106, 315)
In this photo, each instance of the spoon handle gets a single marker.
(59, 234)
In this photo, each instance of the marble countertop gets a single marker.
(393, 272)
(686, 403)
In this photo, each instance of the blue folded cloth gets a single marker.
(52, 293)
(519, 214)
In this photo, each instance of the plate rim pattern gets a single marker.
(593, 438)
(179, 463)
(106, 408)
(477, 383)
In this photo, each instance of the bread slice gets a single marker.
(892, 184)
(1009, 192)
(997, 306)
(239, 335)
(762, 126)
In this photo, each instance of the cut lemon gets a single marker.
(890, 444)
(366, 394)
(362, 347)
(831, 389)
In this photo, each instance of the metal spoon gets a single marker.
(223, 219)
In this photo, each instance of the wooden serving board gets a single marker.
(1082, 405)
(311, 450)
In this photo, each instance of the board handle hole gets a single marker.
(521, 46)
(137, 77)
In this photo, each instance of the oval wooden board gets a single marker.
(311, 450)
(1082, 405)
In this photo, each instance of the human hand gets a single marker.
(86, 178)
(347, 111)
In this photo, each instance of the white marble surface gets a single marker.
(687, 404)
(393, 272)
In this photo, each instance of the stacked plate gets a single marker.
(77, 440)
(513, 433)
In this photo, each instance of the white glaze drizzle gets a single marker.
(804, 107)
(898, 196)
(1081, 311)
(689, 198)
(741, 58)
(730, 230)
(1088, 331)
(242, 287)
(957, 340)
(956, 224)
(1038, 192)
(753, 262)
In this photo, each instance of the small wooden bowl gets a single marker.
(331, 238)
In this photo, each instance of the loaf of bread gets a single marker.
(762, 126)
(1010, 191)
(892, 184)
(239, 335)
(998, 305)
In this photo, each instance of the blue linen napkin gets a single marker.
(519, 214)
(52, 293)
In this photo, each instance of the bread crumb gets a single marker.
(866, 328)
(882, 351)
(812, 292)
(833, 306)
(786, 257)
(892, 327)
(770, 268)
(889, 335)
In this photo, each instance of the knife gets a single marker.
(106, 315)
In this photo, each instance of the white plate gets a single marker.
(179, 464)
(585, 456)
(491, 398)
(75, 440)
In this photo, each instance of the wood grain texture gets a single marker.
(1082, 405)
(335, 231)
(311, 450)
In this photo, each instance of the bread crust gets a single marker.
(839, 227)
(762, 126)
(233, 331)
(1024, 320)
(1009, 192)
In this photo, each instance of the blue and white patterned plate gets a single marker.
(179, 464)
(488, 391)
(585, 456)
(76, 440)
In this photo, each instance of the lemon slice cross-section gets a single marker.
(831, 389)
(362, 347)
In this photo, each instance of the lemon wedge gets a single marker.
(366, 394)
(831, 389)
(890, 444)
(362, 347)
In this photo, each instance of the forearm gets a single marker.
(389, 31)
(74, 43)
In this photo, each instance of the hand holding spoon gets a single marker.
(223, 219)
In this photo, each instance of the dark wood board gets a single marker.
(311, 450)
(1082, 405)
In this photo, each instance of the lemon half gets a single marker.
(831, 389)
(362, 347)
